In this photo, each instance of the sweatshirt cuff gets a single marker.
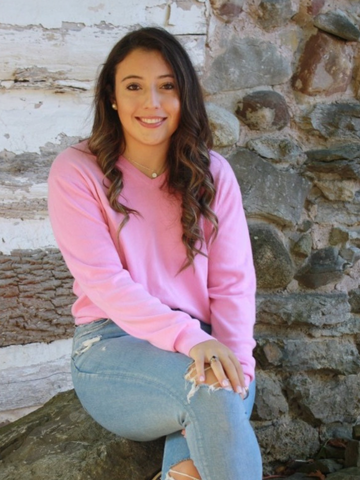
(189, 338)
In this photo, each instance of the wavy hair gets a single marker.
(188, 161)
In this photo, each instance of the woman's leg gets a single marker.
(177, 457)
(139, 392)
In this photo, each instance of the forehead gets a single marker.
(141, 62)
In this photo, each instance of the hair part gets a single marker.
(188, 159)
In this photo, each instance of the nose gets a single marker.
(152, 98)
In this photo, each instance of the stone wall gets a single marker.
(282, 84)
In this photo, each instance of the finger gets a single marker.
(200, 369)
(232, 374)
(244, 391)
(219, 373)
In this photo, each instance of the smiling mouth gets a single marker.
(151, 121)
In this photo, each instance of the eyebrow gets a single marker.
(140, 78)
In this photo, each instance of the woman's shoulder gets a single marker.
(75, 158)
(220, 167)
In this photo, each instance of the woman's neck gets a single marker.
(150, 161)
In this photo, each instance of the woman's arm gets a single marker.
(82, 233)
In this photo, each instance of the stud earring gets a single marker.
(114, 106)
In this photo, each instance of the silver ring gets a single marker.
(214, 358)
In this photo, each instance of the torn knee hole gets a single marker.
(210, 381)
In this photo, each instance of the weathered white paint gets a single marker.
(16, 193)
(72, 54)
(32, 374)
(111, 12)
(27, 234)
(31, 118)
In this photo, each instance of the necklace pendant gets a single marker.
(154, 175)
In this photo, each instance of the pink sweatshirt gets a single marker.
(133, 277)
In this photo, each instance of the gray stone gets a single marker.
(352, 454)
(303, 246)
(275, 149)
(334, 120)
(224, 125)
(338, 236)
(247, 62)
(356, 432)
(61, 441)
(273, 264)
(346, 214)
(36, 292)
(335, 355)
(270, 402)
(274, 13)
(289, 438)
(324, 266)
(327, 399)
(263, 110)
(325, 66)
(350, 254)
(343, 161)
(301, 308)
(327, 465)
(268, 192)
(227, 10)
(354, 300)
(345, 474)
(337, 23)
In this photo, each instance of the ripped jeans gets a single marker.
(139, 392)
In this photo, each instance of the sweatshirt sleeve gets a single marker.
(232, 281)
(82, 233)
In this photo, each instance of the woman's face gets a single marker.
(147, 100)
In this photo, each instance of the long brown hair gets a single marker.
(188, 157)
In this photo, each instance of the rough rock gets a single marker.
(301, 355)
(352, 473)
(314, 6)
(325, 66)
(274, 13)
(224, 125)
(227, 10)
(267, 191)
(275, 149)
(303, 246)
(324, 266)
(343, 161)
(36, 292)
(263, 110)
(270, 402)
(336, 120)
(288, 438)
(338, 236)
(337, 190)
(337, 23)
(273, 264)
(352, 454)
(248, 62)
(327, 465)
(354, 300)
(350, 254)
(62, 441)
(325, 398)
(301, 308)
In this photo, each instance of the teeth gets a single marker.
(151, 120)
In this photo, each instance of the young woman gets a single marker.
(151, 225)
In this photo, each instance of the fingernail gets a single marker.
(238, 389)
(225, 383)
(201, 379)
(244, 393)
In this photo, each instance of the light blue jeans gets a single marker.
(139, 392)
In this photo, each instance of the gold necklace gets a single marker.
(154, 174)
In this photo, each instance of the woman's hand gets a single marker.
(224, 364)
